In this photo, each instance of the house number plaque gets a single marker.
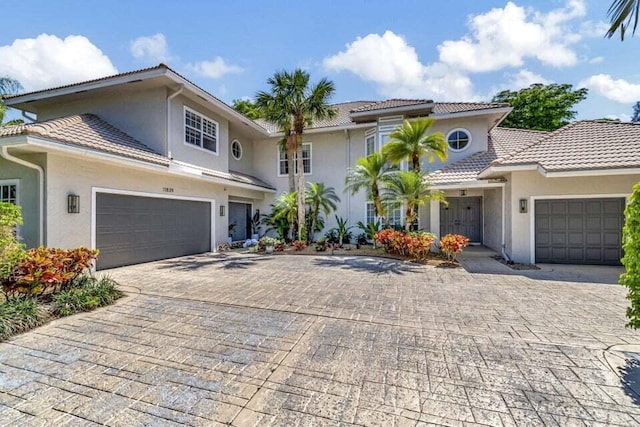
(167, 189)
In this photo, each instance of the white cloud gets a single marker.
(150, 47)
(213, 69)
(525, 78)
(48, 61)
(594, 29)
(390, 62)
(618, 90)
(596, 60)
(505, 37)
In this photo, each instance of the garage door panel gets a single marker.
(134, 229)
(583, 231)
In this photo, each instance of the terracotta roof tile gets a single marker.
(501, 142)
(588, 144)
(460, 107)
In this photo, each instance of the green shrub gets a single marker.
(631, 259)
(19, 315)
(85, 294)
(11, 250)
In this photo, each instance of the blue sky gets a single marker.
(458, 50)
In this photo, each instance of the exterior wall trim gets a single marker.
(96, 190)
(532, 212)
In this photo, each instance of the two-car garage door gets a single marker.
(579, 231)
(135, 229)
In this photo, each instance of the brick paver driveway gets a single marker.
(294, 340)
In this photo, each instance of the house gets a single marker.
(146, 165)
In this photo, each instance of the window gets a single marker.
(236, 149)
(369, 145)
(458, 139)
(370, 213)
(394, 215)
(200, 131)
(9, 192)
(283, 160)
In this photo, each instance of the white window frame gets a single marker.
(459, 130)
(235, 141)
(202, 116)
(366, 217)
(367, 136)
(15, 182)
(295, 163)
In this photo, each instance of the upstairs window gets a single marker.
(370, 145)
(283, 161)
(200, 131)
(458, 139)
(236, 149)
(9, 192)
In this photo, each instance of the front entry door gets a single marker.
(463, 215)
(239, 221)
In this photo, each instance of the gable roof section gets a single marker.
(89, 131)
(583, 145)
(501, 142)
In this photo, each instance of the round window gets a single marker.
(236, 149)
(458, 139)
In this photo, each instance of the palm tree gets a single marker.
(412, 141)
(411, 190)
(294, 105)
(622, 14)
(369, 174)
(8, 86)
(319, 198)
(286, 207)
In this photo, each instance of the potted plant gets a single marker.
(256, 221)
(269, 244)
(231, 228)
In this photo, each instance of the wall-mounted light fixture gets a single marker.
(523, 205)
(258, 212)
(73, 203)
(463, 193)
(222, 210)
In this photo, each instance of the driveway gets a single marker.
(303, 340)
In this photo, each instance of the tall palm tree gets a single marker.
(8, 86)
(286, 207)
(411, 190)
(622, 14)
(320, 199)
(412, 141)
(296, 104)
(368, 174)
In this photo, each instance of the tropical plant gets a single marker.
(416, 245)
(623, 13)
(248, 108)
(286, 207)
(370, 229)
(86, 293)
(342, 230)
(541, 107)
(411, 190)
(452, 244)
(412, 141)
(320, 199)
(256, 222)
(636, 112)
(299, 245)
(293, 105)
(21, 314)
(368, 174)
(11, 250)
(631, 259)
(8, 86)
(281, 226)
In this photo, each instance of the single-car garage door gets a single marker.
(135, 229)
(579, 231)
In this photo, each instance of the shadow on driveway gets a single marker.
(367, 265)
(223, 260)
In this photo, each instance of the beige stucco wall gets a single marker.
(477, 127)
(492, 217)
(78, 176)
(526, 184)
(141, 114)
(28, 194)
(245, 164)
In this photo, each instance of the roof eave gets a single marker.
(386, 111)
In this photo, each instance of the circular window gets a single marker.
(236, 149)
(458, 139)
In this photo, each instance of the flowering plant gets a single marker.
(453, 244)
(416, 245)
(299, 245)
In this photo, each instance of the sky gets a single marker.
(462, 50)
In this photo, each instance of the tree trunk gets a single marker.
(415, 160)
(377, 203)
(291, 153)
(408, 220)
(301, 208)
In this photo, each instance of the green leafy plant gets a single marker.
(21, 314)
(344, 236)
(321, 245)
(86, 294)
(256, 222)
(11, 250)
(412, 141)
(631, 259)
(370, 230)
(321, 200)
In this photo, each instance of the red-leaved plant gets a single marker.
(453, 244)
(299, 245)
(416, 245)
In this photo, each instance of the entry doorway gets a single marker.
(239, 221)
(462, 215)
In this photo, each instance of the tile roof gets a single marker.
(389, 103)
(501, 142)
(91, 132)
(88, 131)
(583, 145)
(460, 107)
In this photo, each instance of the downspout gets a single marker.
(4, 152)
(348, 157)
(169, 98)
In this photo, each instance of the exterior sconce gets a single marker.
(523, 205)
(463, 193)
(222, 210)
(258, 212)
(73, 203)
